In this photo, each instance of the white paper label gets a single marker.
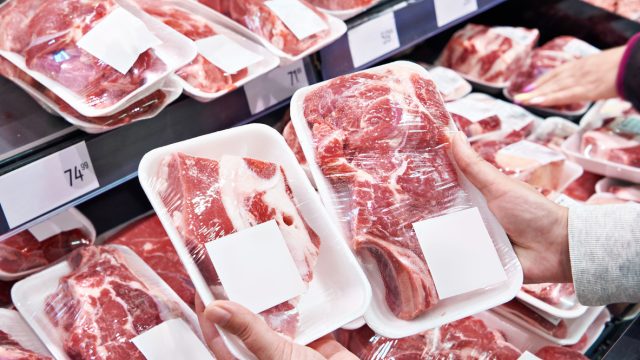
(226, 54)
(373, 39)
(300, 19)
(461, 258)
(530, 150)
(118, 40)
(173, 339)
(472, 110)
(60, 223)
(45, 184)
(256, 268)
(450, 10)
(528, 356)
(519, 36)
(564, 200)
(447, 81)
(279, 84)
(579, 48)
(513, 117)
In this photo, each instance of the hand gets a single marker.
(261, 340)
(537, 227)
(588, 79)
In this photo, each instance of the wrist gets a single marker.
(561, 241)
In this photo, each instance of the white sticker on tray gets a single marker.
(256, 268)
(226, 54)
(173, 339)
(461, 258)
(579, 48)
(518, 35)
(373, 39)
(62, 222)
(299, 18)
(528, 356)
(472, 110)
(45, 184)
(276, 86)
(447, 80)
(118, 40)
(450, 10)
(530, 150)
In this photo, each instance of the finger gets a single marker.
(328, 347)
(564, 97)
(257, 336)
(534, 97)
(212, 336)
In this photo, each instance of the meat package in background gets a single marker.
(102, 304)
(617, 140)
(148, 239)
(17, 340)
(290, 136)
(584, 187)
(11, 349)
(555, 327)
(627, 192)
(341, 4)
(474, 117)
(209, 199)
(561, 295)
(605, 199)
(553, 131)
(627, 8)
(489, 55)
(559, 353)
(260, 19)
(451, 85)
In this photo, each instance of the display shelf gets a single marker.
(391, 29)
(115, 154)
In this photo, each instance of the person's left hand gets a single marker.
(258, 337)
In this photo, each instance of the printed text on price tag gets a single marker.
(450, 10)
(373, 39)
(275, 86)
(43, 185)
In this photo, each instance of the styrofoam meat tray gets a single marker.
(565, 313)
(549, 112)
(14, 325)
(348, 14)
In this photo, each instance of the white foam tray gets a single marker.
(348, 14)
(379, 317)
(30, 295)
(570, 313)
(13, 324)
(339, 292)
(82, 223)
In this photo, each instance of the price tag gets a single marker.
(373, 39)
(298, 17)
(226, 54)
(45, 184)
(277, 85)
(173, 339)
(450, 10)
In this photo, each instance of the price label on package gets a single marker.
(277, 85)
(450, 10)
(43, 185)
(373, 39)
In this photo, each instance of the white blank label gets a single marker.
(528, 356)
(373, 39)
(226, 54)
(301, 20)
(171, 340)
(256, 268)
(60, 223)
(450, 10)
(459, 253)
(118, 40)
(45, 184)
(277, 85)
(530, 150)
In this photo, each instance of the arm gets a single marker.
(628, 81)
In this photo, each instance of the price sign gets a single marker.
(43, 185)
(373, 39)
(277, 85)
(450, 10)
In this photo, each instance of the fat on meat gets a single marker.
(10, 349)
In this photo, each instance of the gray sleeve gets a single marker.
(604, 245)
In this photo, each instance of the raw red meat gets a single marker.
(474, 117)
(45, 34)
(516, 309)
(257, 17)
(553, 294)
(12, 350)
(101, 305)
(475, 128)
(628, 192)
(209, 199)
(5, 293)
(200, 73)
(147, 238)
(381, 141)
(491, 55)
(341, 4)
(559, 353)
(605, 144)
(487, 148)
(23, 252)
(583, 187)
(290, 136)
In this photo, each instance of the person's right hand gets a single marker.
(537, 227)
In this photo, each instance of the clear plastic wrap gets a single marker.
(97, 303)
(554, 327)
(617, 140)
(489, 55)
(451, 85)
(621, 189)
(148, 239)
(379, 147)
(17, 341)
(474, 117)
(341, 4)
(552, 132)
(44, 244)
(559, 300)
(556, 352)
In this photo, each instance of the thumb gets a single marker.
(257, 336)
(484, 176)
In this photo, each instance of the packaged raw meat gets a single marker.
(536, 319)
(343, 9)
(291, 29)
(100, 303)
(17, 340)
(147, 238)
(489, 55)
(570, 45)
(290, 136)
(553, 294)
(211, 193)
(627, 8)
(63, 48)
(451, 85)
(201, 78)
(44, 244)
(559, 353)
(377, 143)
(474, 117)
(621, 189)
(584, 187)
(552, 132)
(605, 199)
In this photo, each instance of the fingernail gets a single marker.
(521, 97)
(537, 100)
(529, 88)
(217, 315)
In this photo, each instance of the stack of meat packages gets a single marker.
(627, 8)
